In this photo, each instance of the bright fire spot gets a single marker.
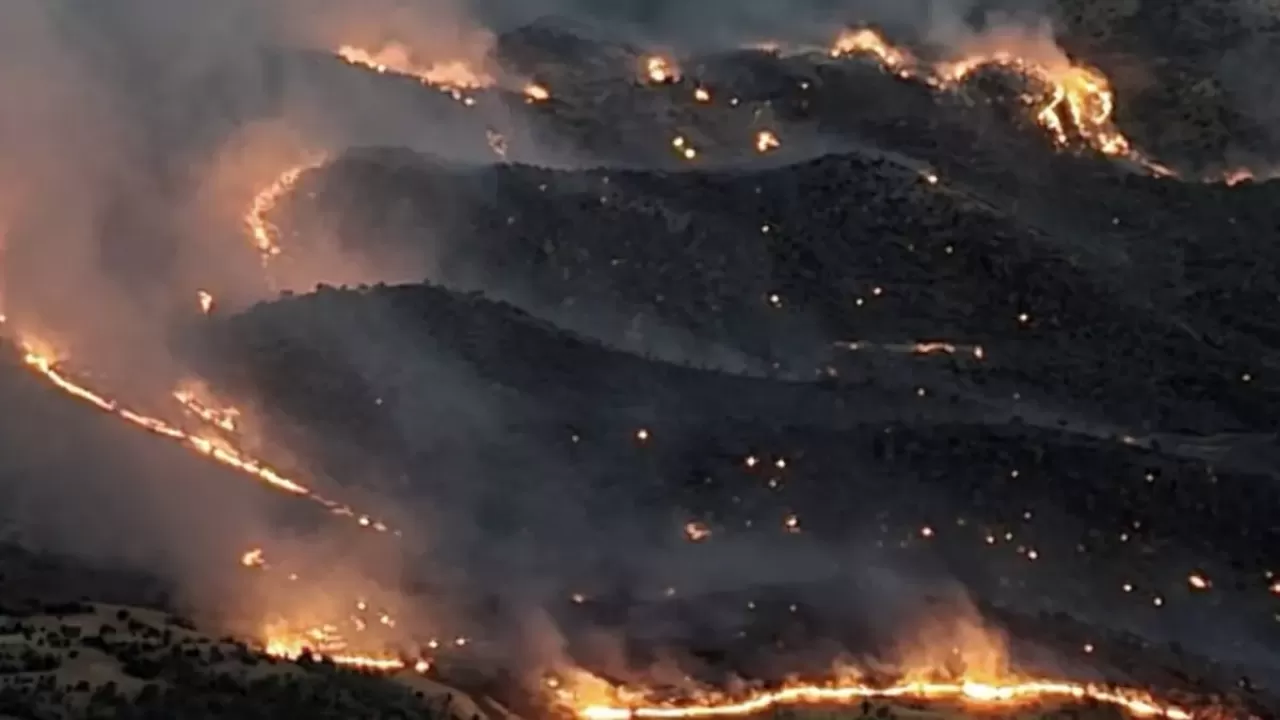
(696, 531)
(974, 695)
(44, 362)
(225, 418)
(867, 41)
(206, 301)
(326, 642)
(253, 559)
(1079, 105)
(1199, 582)
(766, 141)
(266, 236)
(660, 70)
(536, 93)
(702, 95)
(397, 59)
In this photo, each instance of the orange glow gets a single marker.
(660, 70)
(325, 641)
(398, 60)
(536, 93)
(1079, 105)
(253, 559)
(971, 694)
(978, 678)
(867, 41)
(265, 235)
(224, 418)
(766, 141)
(44, 362)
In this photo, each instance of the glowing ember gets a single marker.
(224, 418)
(867, 41)
(766, 141)
(266, 236)
(696, 531)
(660, 70)
(326, 642)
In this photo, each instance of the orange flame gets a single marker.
(660, 70)
(205, 299)
(766, 141)
(327, 642)
(971, 694)
(253, 559)
(215, 448)
(1080, 104)
(963, 663)
(397, 59)
(265, 235)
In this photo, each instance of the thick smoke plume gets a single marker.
(133, 137)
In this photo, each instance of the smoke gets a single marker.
(133, 138)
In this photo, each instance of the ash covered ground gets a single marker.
(747, 411)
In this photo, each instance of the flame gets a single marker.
(971, 694)
(766, 141)
(224, 418)
(265, 235)
(397, 59)
(1080, 104)
(536, 93)
(660, 70)
(326, 641)
(206, 301)
(253, 559)
(45, 363)
(955, 660)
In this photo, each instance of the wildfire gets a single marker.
(660, 70)
(1080, 103)
(867, 41)
(266, 236)
(327, 642)
(224, 418)
(398, 60)
(215, 448)
(971, 694)
(977, 677)
(766, 141)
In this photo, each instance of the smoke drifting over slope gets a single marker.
(134, 137)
